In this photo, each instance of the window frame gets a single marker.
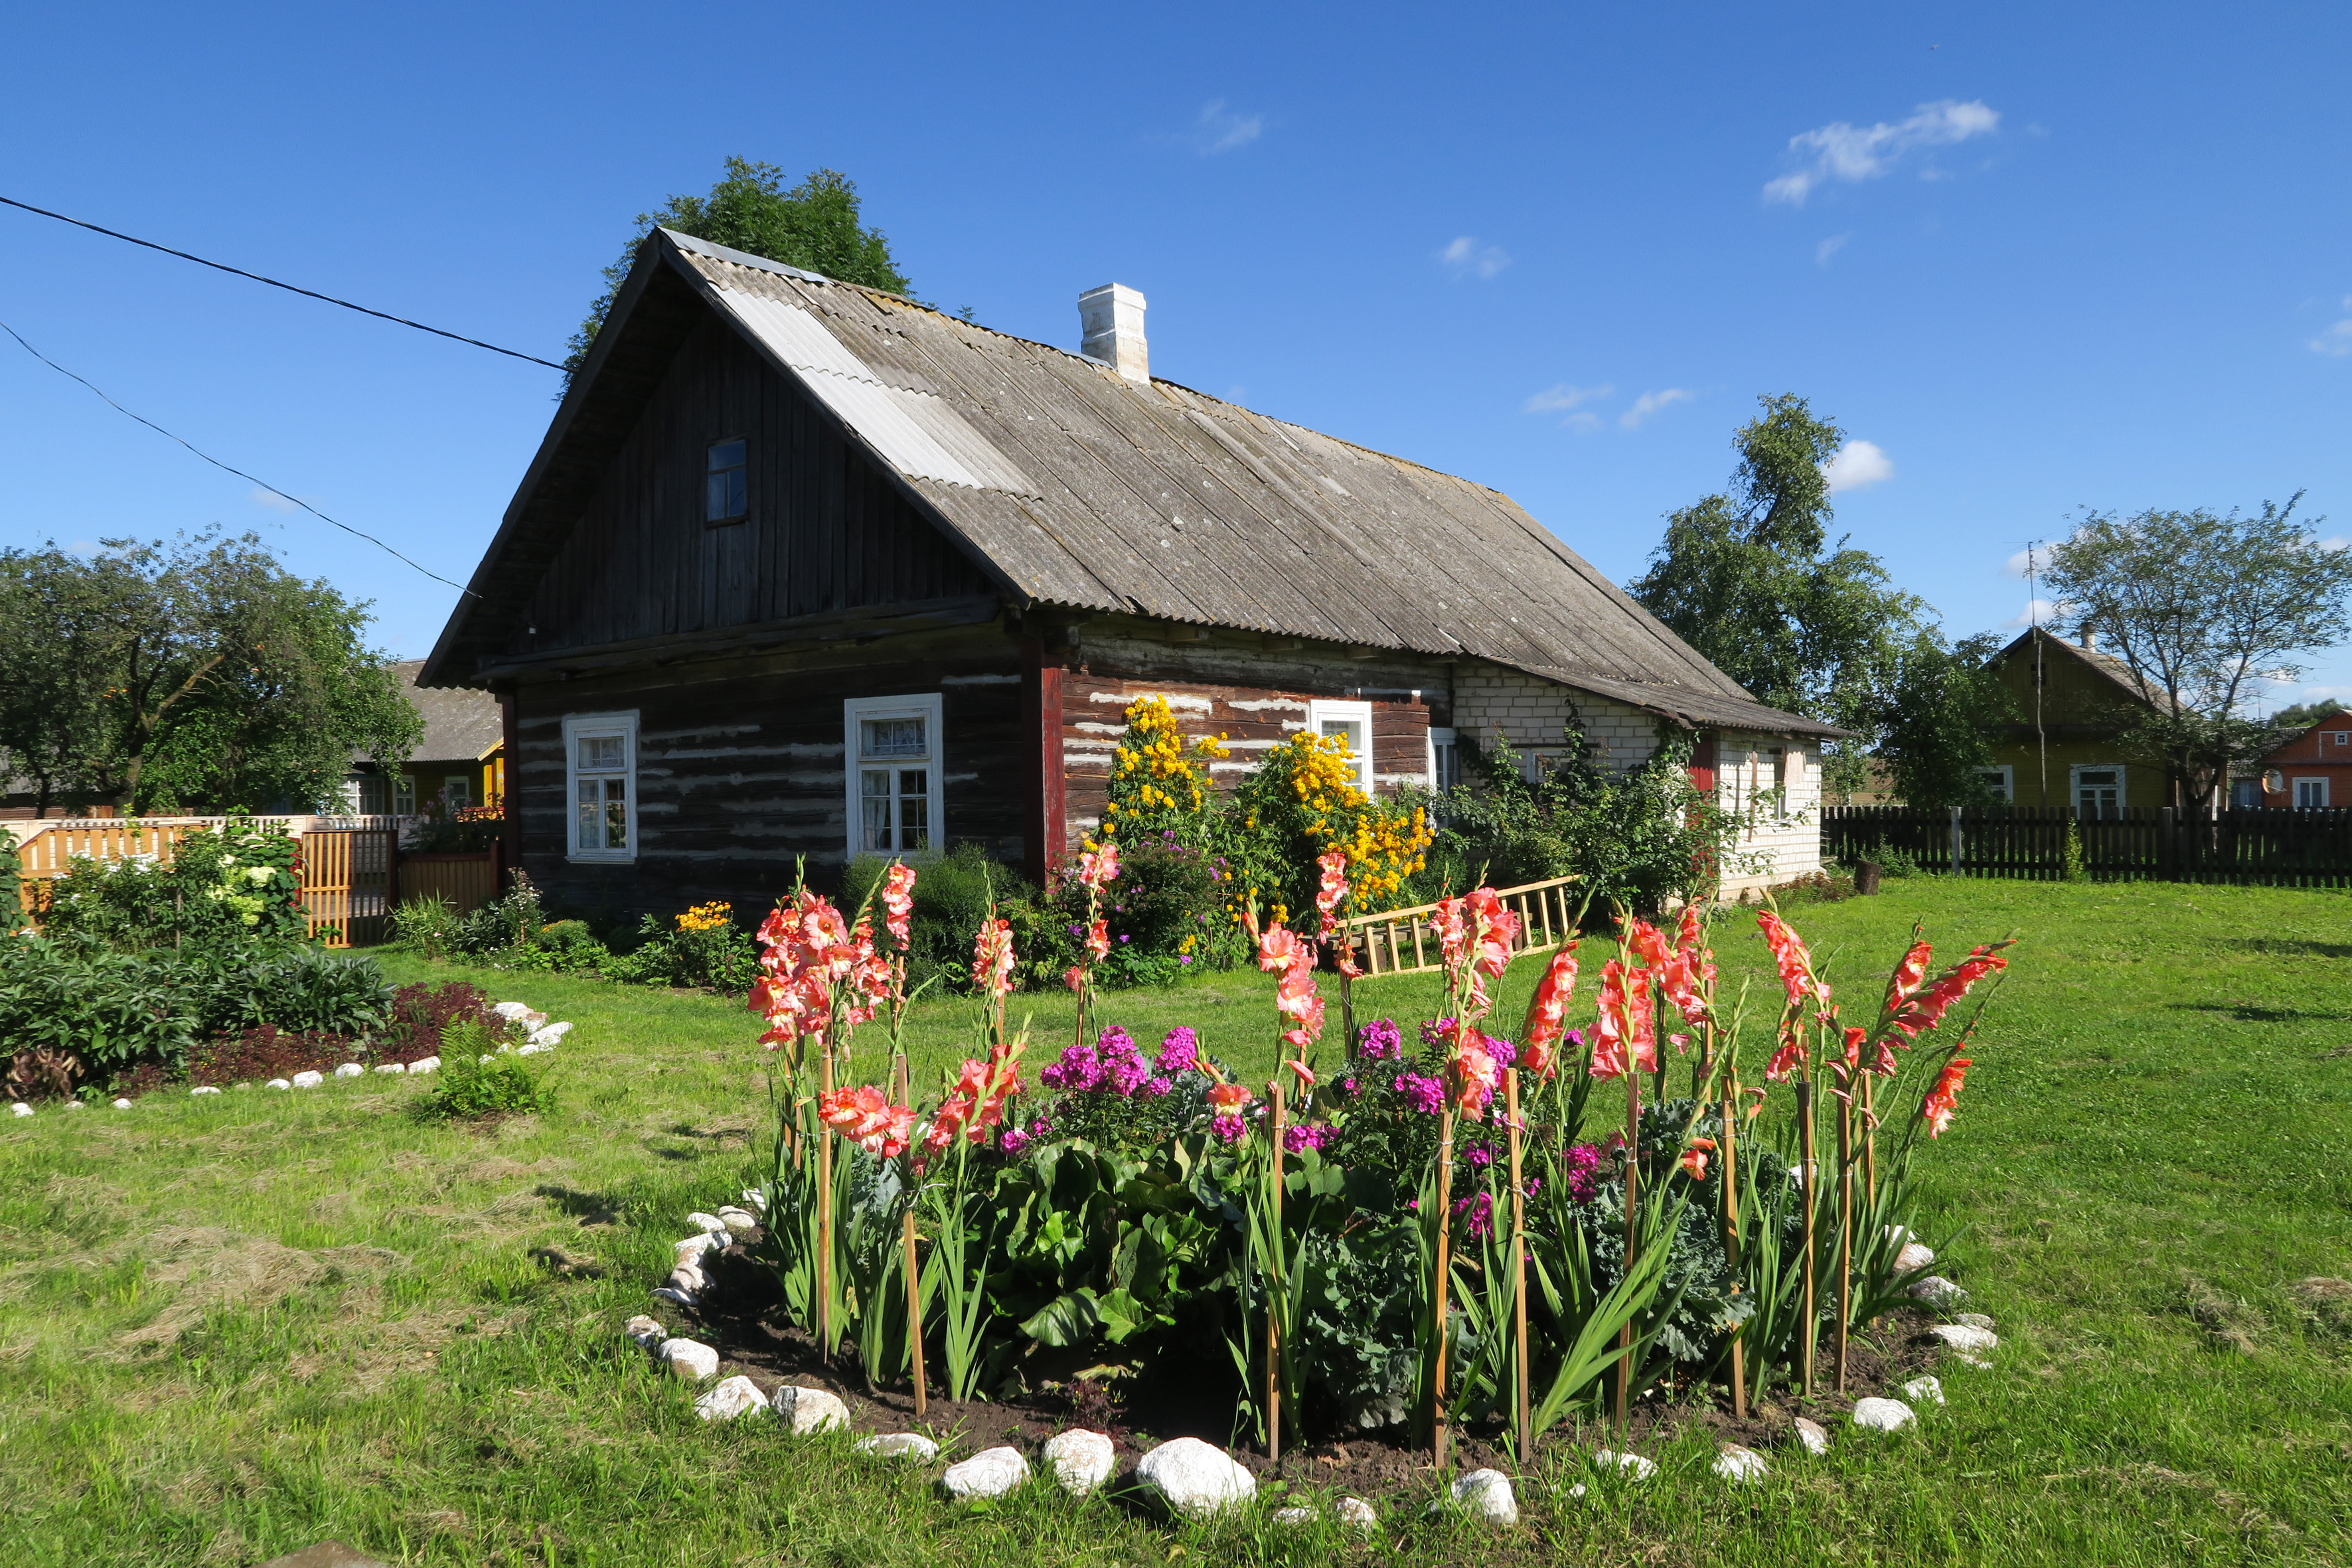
(576, 728)
(744, 469)
(2294, 791)
(1442, 737)
(403, 794)
(929, 705)
(2074, 788)
(2008, 786)
(1346, 710)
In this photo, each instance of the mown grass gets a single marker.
(231, 1327)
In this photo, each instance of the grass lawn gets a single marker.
(231, 1327)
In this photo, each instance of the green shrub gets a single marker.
(469, 1087)
(951, 898)
(428, 925)
(224, 884)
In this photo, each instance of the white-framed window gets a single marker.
(1445, 759)
(403, 795)
(600, 766)
(2344, 737)
(897, 802)
(2002, 781)
(2246, 793)
(1353, 723)
(457, 793)
(2311, 795)
(2098, 789)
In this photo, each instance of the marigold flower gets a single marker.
(1944, 1098)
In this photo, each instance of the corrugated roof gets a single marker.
(1085, 490)
(460, 725)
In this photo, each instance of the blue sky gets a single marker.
(2037, 257)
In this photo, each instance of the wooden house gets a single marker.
(459, 762)
(2067, 745)
(805, 569)
(2311, 770)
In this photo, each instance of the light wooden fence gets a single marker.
(1405, 941)
(467, 880)
(348, 863)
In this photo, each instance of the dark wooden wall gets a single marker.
(740, 767)
(826, 531)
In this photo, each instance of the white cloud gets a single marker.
(1829, 247)
(1852, 153)
(272, 500)
(1219, 130)
(1857, 464)
(1469, 259)
(2335, 542)
(1651, 402)
(2337, 338)
(1562, 397)
(2037, 612)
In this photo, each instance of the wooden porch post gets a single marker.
(1047, 827)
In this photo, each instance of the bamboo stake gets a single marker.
(1633, 1211)
(1274, 1286)
(1805, 1162)
(914, 1281)
(1845, 1228)
(1730, 1153)
(1519, 1264)
(1444, 1265)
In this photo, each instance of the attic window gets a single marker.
(726, 496)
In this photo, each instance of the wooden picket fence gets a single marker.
(350, 864)
(1405, 941)
(2264, 846)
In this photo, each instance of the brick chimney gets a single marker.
(1112, 320)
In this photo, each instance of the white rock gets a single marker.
(1811, 1436)
(351, 1069)
(424, 1064)
(1080, 1460)
(551, 1034)
(809, 1409)
(1936, 1291)
(486, 1056)
(245, 1086)
(705, 1222)
(737, 1396)
(121, 1105)
(1357, 1514)
(200, 1089)
(1963, 1337)
(510, 1009)
(644, 1330)
(1882, 1414)
(992, 1472)
(1577, 1490)
(695, 1245)
(688, 1277)
(898, 1445)
(689, 1359)
(1485, 1495)
(1915, 1255)
(278, 1083)
(1736, 1464)
(1195, 1478)
(391, 1069)
(1965, 1359)
(672, 1293)
(755, 1198)
(20, 1108)
(1292, 1517)
(308, 1079)
(1924, 1391)
(738, 1219)
(1633, 1467)
(1973, 1320)
(76, 1105)
(531, 1050)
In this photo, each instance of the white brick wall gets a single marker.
(1749, 767)
(1530, 712)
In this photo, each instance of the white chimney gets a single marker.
(1112, 320)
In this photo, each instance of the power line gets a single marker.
(274, 283)
(240, 473)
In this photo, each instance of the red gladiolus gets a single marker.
(1547, 1012)
(1305, 1074)
(1642, 1021)
(1907, 977)
(1796, 963)
(1074, 977)
(868, 1118)
(991, 958)
(1646, 943)
(1854, 1039)
(1609, 1028)
(1228, 1099)
(1927, 1009)
(898, 901)
(1786, 1059)
(1693, 1160)
(1944, 1098)
(1098, 940)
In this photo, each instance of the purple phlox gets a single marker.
(1179, 1051)
(1380, 1039)
(1228, 1127)
(1580, 1169)
(1437, 1034)
(1426, 1095)
(1476, 1214)
(1157, 1086)
(1302, 1135)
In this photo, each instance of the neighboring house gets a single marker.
(459, 762)
(2311, 771)
(804, 569)
(2073, 756)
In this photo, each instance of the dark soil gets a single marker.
(740, 1315)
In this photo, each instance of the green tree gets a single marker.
(1750, 578)
(2203, 609)
(1937, 718)
(203, 674)
(815, 225)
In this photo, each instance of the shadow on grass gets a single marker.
(2284, 947)
(2253, 1012)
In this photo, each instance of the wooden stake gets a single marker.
(1730, 1153)
(1444, 1263)
(1805, 1162)
(1274, 1287)
(914, 1281)
(1845, 1228)
(1869, 1145)
(1632, 1236)
(1519, 1266)
(824, 1206)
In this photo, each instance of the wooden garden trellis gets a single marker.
(349, 863)
(1405, 941)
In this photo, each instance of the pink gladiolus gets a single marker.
(1796, 964)
(1944, 1098)
(1097, 869)
(867, 1118)
(1547, 1013)
(1074, 977)
(1098, 940)
(991, 958)
(1333, 890)
(898, 901)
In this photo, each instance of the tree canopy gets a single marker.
(815, 225)
(160, 677)
(2203, 609)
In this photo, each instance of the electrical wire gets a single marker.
(274, 283)
(240, 473)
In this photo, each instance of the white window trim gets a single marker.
(926, 705)
(1319, 709)
(574, 726)
(2295, 792)
(1439, 735)
(2008, 772)
(2074, 783)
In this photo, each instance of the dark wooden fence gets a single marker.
(2273, 847)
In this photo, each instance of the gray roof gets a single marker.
(1079, 488)
(460, 725)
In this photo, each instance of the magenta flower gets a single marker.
(1380, 1040)
(1179, 1052)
